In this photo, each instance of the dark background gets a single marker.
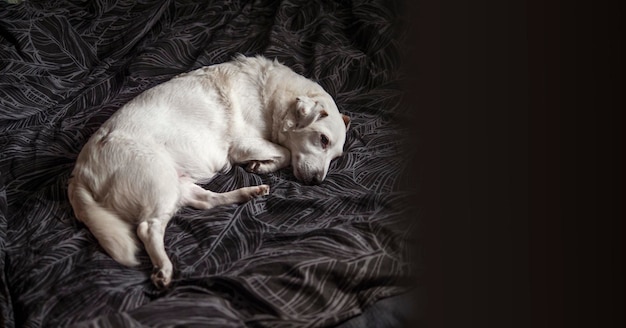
(517, 127)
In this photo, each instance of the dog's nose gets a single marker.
(315, 180)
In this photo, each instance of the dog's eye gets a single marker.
(324, 140)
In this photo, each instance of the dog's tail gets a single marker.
(115, 235)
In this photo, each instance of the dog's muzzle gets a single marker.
(313, 179)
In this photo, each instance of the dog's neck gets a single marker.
(281, 115)
(280, 101)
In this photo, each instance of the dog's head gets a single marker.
(315, 133)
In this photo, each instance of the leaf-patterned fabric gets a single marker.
(301, 256)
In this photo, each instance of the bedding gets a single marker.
(312, 256)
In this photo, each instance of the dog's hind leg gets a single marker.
(199, 198)
(151, 233)
(159, 198)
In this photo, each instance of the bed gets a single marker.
(335, 254)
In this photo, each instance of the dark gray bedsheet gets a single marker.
(302, 256)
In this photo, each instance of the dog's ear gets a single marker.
(346, 120)
(307, 112)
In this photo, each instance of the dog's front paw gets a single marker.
(162, 278)
(259, 167)
(252, 167)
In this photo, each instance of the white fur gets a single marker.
(146, 161)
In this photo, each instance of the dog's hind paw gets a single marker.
(263, 190)
(161, 278)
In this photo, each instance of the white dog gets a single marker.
(144, 163)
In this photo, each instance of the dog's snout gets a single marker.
(317, 179)
(307, 177)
